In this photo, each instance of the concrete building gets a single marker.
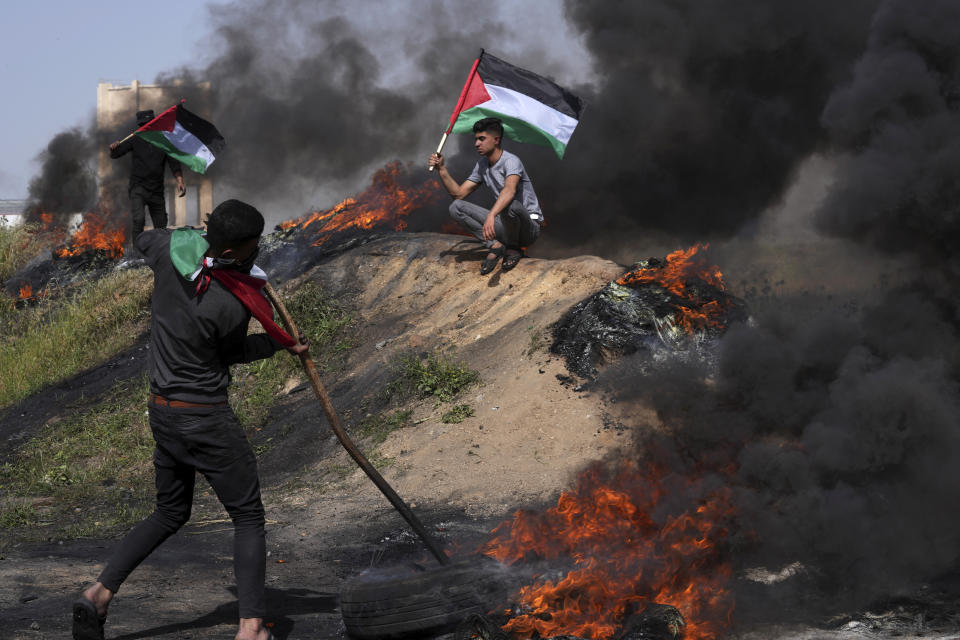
(116, 110)
(11, 212)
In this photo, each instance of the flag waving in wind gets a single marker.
(533, 109)
(184, 136)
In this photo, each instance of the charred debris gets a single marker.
(655, 622)
(673, 308)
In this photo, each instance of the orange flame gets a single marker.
(385, 203)
(681, 267)
(26, 291)
(624, 559)
(96, 233)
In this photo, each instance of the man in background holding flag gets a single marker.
(176, 137)
(146, 177)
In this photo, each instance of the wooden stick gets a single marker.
(345, 440)
(182, 100)
(459, 106)
(127, 138)
(443, 141)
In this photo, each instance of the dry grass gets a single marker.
(85, 474)
(81, 329)
(18, 245)
(328, 326)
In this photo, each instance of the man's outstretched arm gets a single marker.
(458, 191)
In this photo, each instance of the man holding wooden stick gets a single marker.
(205, 289)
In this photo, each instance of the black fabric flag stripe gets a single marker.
(493, 70)
(203, 130)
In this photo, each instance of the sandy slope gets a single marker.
(530, 432)
(529, 436)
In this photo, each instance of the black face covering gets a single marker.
(232, 263)
(247, 264)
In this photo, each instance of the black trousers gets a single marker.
(211, 441)
(141, 197)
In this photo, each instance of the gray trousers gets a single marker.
(514, 228)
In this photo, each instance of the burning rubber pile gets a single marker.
(100, 242)
(670, 306)
(92, 249)
(385, 205)
(616, 558)
(621, 565)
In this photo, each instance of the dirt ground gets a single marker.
(530, 433)
(533, 429)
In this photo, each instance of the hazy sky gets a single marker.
(54, 52)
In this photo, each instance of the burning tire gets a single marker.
(413, 601)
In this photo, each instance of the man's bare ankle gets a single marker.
(252, 629)
(100, 596)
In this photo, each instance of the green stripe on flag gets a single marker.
(513, 128)
(156, 138)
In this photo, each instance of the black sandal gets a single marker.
(87, 625)
(511, 261)
(489, 264)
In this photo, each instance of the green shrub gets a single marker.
(434, 376)
(457, 414)
(377, 427)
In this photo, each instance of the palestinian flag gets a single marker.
(184, 136)
(532, 108)
(188, 249)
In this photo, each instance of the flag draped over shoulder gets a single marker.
(185, 136)
(187, 249)
(533, 109)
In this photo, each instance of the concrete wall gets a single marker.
(117, 106)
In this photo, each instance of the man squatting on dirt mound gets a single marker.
(146, 177)
(196, 333)
(514, 219)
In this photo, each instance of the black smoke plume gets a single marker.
(700, 112)
(898, 125)
(324, 113)
(842, 421)
(66, 183)
(309, 105)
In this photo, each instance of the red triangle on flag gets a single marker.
(476, 93)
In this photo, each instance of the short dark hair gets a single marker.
(232, 223)
(490, 125)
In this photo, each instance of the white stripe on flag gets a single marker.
(513, 103)
(189, 143)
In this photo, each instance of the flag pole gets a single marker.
(182, 100)
(460, 101)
